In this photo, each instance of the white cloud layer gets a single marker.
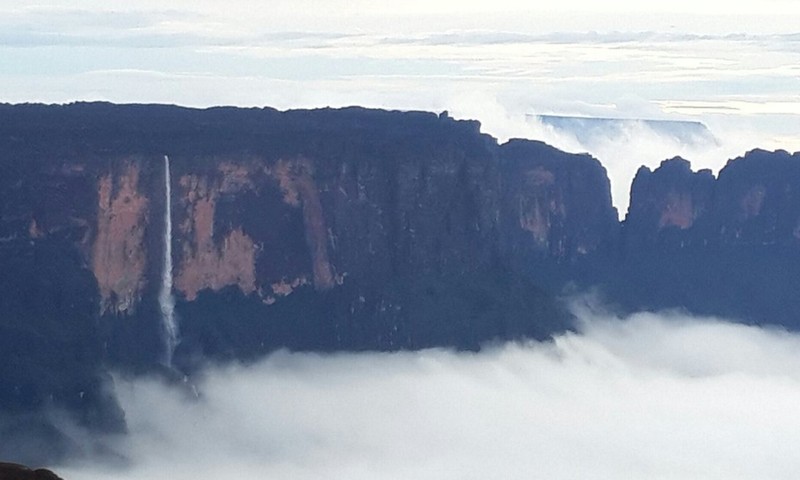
(649, 396)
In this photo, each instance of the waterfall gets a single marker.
(165, 299)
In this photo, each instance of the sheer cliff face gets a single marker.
(269, 203)
(119, 254)
(299, 190)
(218, 252)
(376, 229)
(726, 246)
(271, 237)
(758, 199)
(271, 224)
(670, 199)
(101, 208)
(560, 202)
(205, 262)
(755, 201)
(345, 229)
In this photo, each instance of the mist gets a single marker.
(654, 396)
(624, 148)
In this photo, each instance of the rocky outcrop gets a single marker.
(668, 203)
(13, 471)
(562, 202)
(726, 246)
(758, 199)
(755, 201)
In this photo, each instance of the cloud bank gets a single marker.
(648, 396)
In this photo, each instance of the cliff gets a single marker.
(561, 201)
(755, 201)
(669, 205)
(726, 246)
(349, 229)
(315, 230)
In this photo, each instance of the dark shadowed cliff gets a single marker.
(729, 246)
(726, 246)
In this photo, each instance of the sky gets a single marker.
(655, 396)
(734, 66)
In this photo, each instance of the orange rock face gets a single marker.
(297, 184)
(203, 263)
(285, 287)
(205, 258)
(118, 256)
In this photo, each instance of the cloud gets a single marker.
(625, 145)
(649, 396)
(490, 37)
(622, 147)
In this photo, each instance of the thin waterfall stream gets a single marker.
(166, 300)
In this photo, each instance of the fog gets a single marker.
(652, 396)
(623, 148)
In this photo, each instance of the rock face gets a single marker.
(758, 199)
(755, 201)
(562, 202)
(346, 229)
(726, 246)
(269, 203)
(673, 199)
(315, 230)
(204, 264)
(119, 257)
(51, 350)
